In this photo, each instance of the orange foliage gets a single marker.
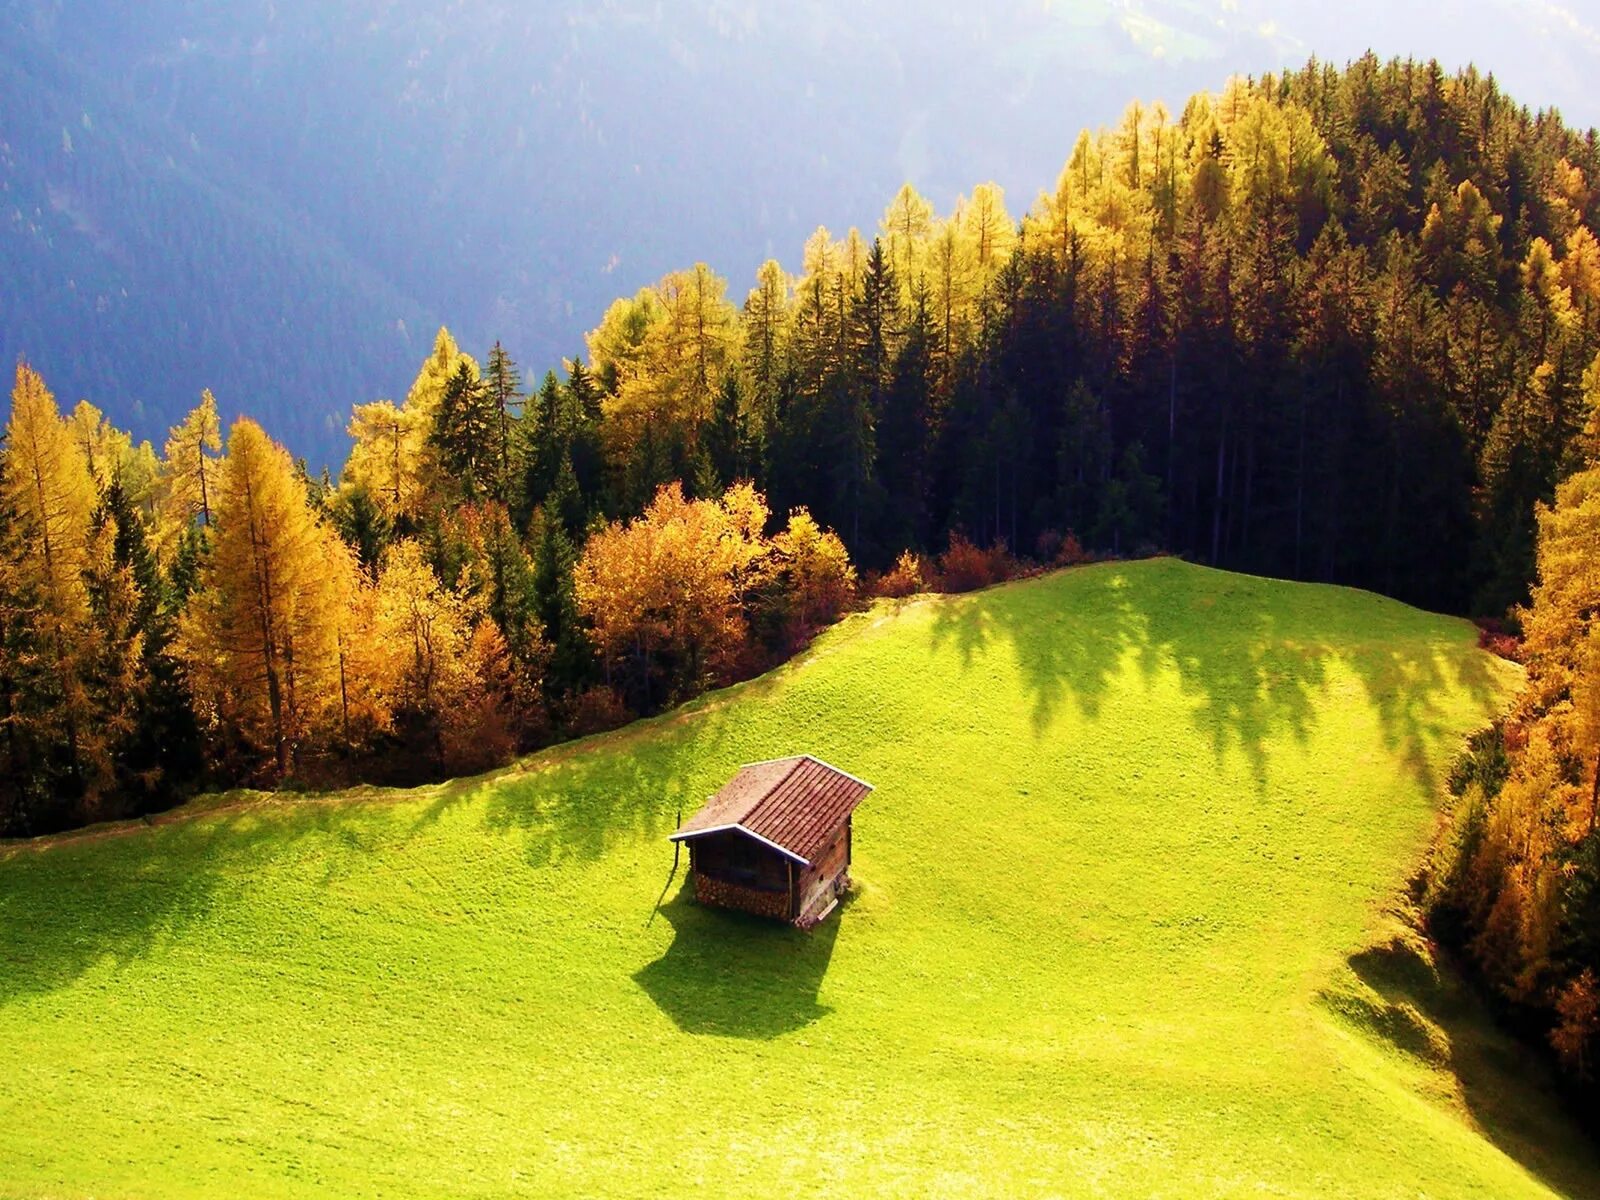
(665, 593)
(1578, 1009)
(908, 577)
(965, 567)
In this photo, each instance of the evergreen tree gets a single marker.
(555, 604)
(465, 434)
(503, 389)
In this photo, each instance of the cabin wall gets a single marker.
(742, 860)
(734, 871)
(826, 877)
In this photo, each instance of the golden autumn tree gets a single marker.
(112, 456)
(989, 230)
(1528, 874)
(369, 670)
(1568, 590)
(664, 356)
(262, 636)
(451, 669)
(817, 579)
(386, 456)
(906, 226)
(665, 593)
(48, 494)
(186, 482)
(391, 457)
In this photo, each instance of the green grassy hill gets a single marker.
(1128, 924)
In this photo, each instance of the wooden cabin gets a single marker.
(775, 840)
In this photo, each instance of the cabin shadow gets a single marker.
(730, 974)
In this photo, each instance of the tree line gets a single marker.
(215, 616)
(1333, 325)
(1515, 885)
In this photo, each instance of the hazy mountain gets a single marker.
(280, 198)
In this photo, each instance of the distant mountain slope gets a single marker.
(139, 268)
(510, 168)
(1120, 928)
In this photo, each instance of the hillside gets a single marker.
(142, 266)
(1124, 926)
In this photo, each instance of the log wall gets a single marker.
(732, 895)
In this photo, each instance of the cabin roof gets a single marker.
(791, 804)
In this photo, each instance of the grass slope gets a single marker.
(1125, 926)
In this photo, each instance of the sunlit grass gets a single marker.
(1122, 927)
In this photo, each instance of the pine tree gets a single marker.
(726, 438)
(503, 389)
(364, 525)
(138, 685)
(465, 434)
(556, 605)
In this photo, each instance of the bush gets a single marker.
(1071, 552)
(966, 567)
(908, 577)
(595, 710)
(1500, 637)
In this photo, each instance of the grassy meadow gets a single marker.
(1129, 921)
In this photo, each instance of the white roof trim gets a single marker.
(846, 774)
(786, 757)
(680, 836)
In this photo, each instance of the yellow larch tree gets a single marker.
(47, 490)
(189, 469)
(990, 232)
(391, 457)
(906, 226)
(386, 456)
(111, 455)
(262, 637)
(665, 355)
(450, 669)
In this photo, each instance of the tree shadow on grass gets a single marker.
(731, 974)
(1427, 1010)
(1251, 654)
(111, 895)
(577, 802)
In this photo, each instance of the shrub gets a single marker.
(908, 577)
(595, 710)
(965, 567)
(1500, 637)
(1071, 552)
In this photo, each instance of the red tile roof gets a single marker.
(792, 804)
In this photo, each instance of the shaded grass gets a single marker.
(1120, 886)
